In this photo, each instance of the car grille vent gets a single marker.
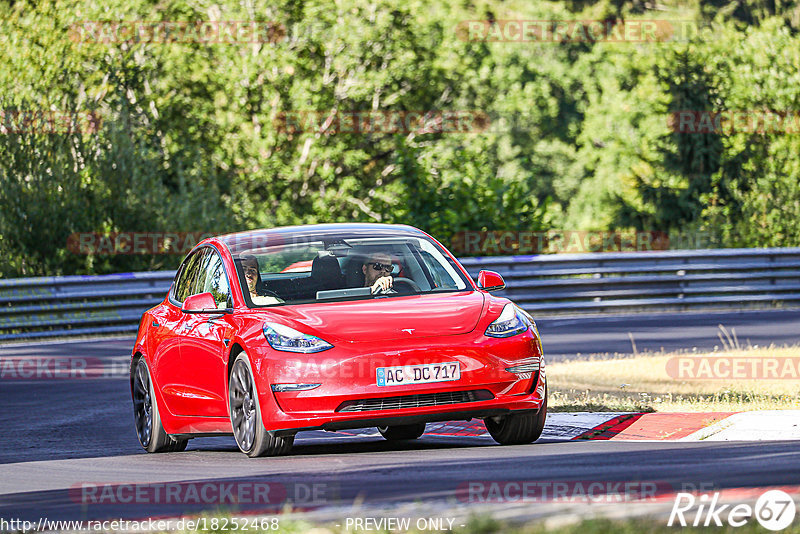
(415, 401)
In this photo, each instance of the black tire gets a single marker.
(518, 429)
(402, 432)
(147, 420)
(245, 412)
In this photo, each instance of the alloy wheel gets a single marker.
(243, 405)
(142, 404)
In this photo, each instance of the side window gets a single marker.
(189, 275)
(213, 279)
(435, 268)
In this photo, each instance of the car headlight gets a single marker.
(281, 337)
(510, 323)
(527, 316)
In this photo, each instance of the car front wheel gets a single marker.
(518, 429)
(246, 418)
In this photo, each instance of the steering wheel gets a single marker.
(408, 282)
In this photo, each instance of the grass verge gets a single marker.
(642, 383)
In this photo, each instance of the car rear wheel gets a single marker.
(146, 416)
(518, 429)
(246, 419)
(401, 432)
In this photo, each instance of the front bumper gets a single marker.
(347, 375)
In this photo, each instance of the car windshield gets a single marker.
(343, 267)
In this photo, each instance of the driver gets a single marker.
(378, 273)
(252, 276)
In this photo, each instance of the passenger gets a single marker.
(378, 273)
(252, 275)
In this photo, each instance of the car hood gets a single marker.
(440, 314)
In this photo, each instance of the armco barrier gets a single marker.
(674, 280)
(78, 305)
(544, 285)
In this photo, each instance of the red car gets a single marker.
(241, 345)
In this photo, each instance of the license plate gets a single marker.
(418, 374)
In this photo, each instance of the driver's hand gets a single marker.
(381, 284)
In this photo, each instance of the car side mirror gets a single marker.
(201, 303)
(490, 281)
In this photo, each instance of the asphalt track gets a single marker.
(59, 434)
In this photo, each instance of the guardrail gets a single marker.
(78, 305)
(675, 280)
(544, 285)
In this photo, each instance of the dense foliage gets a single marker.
(192, 136)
